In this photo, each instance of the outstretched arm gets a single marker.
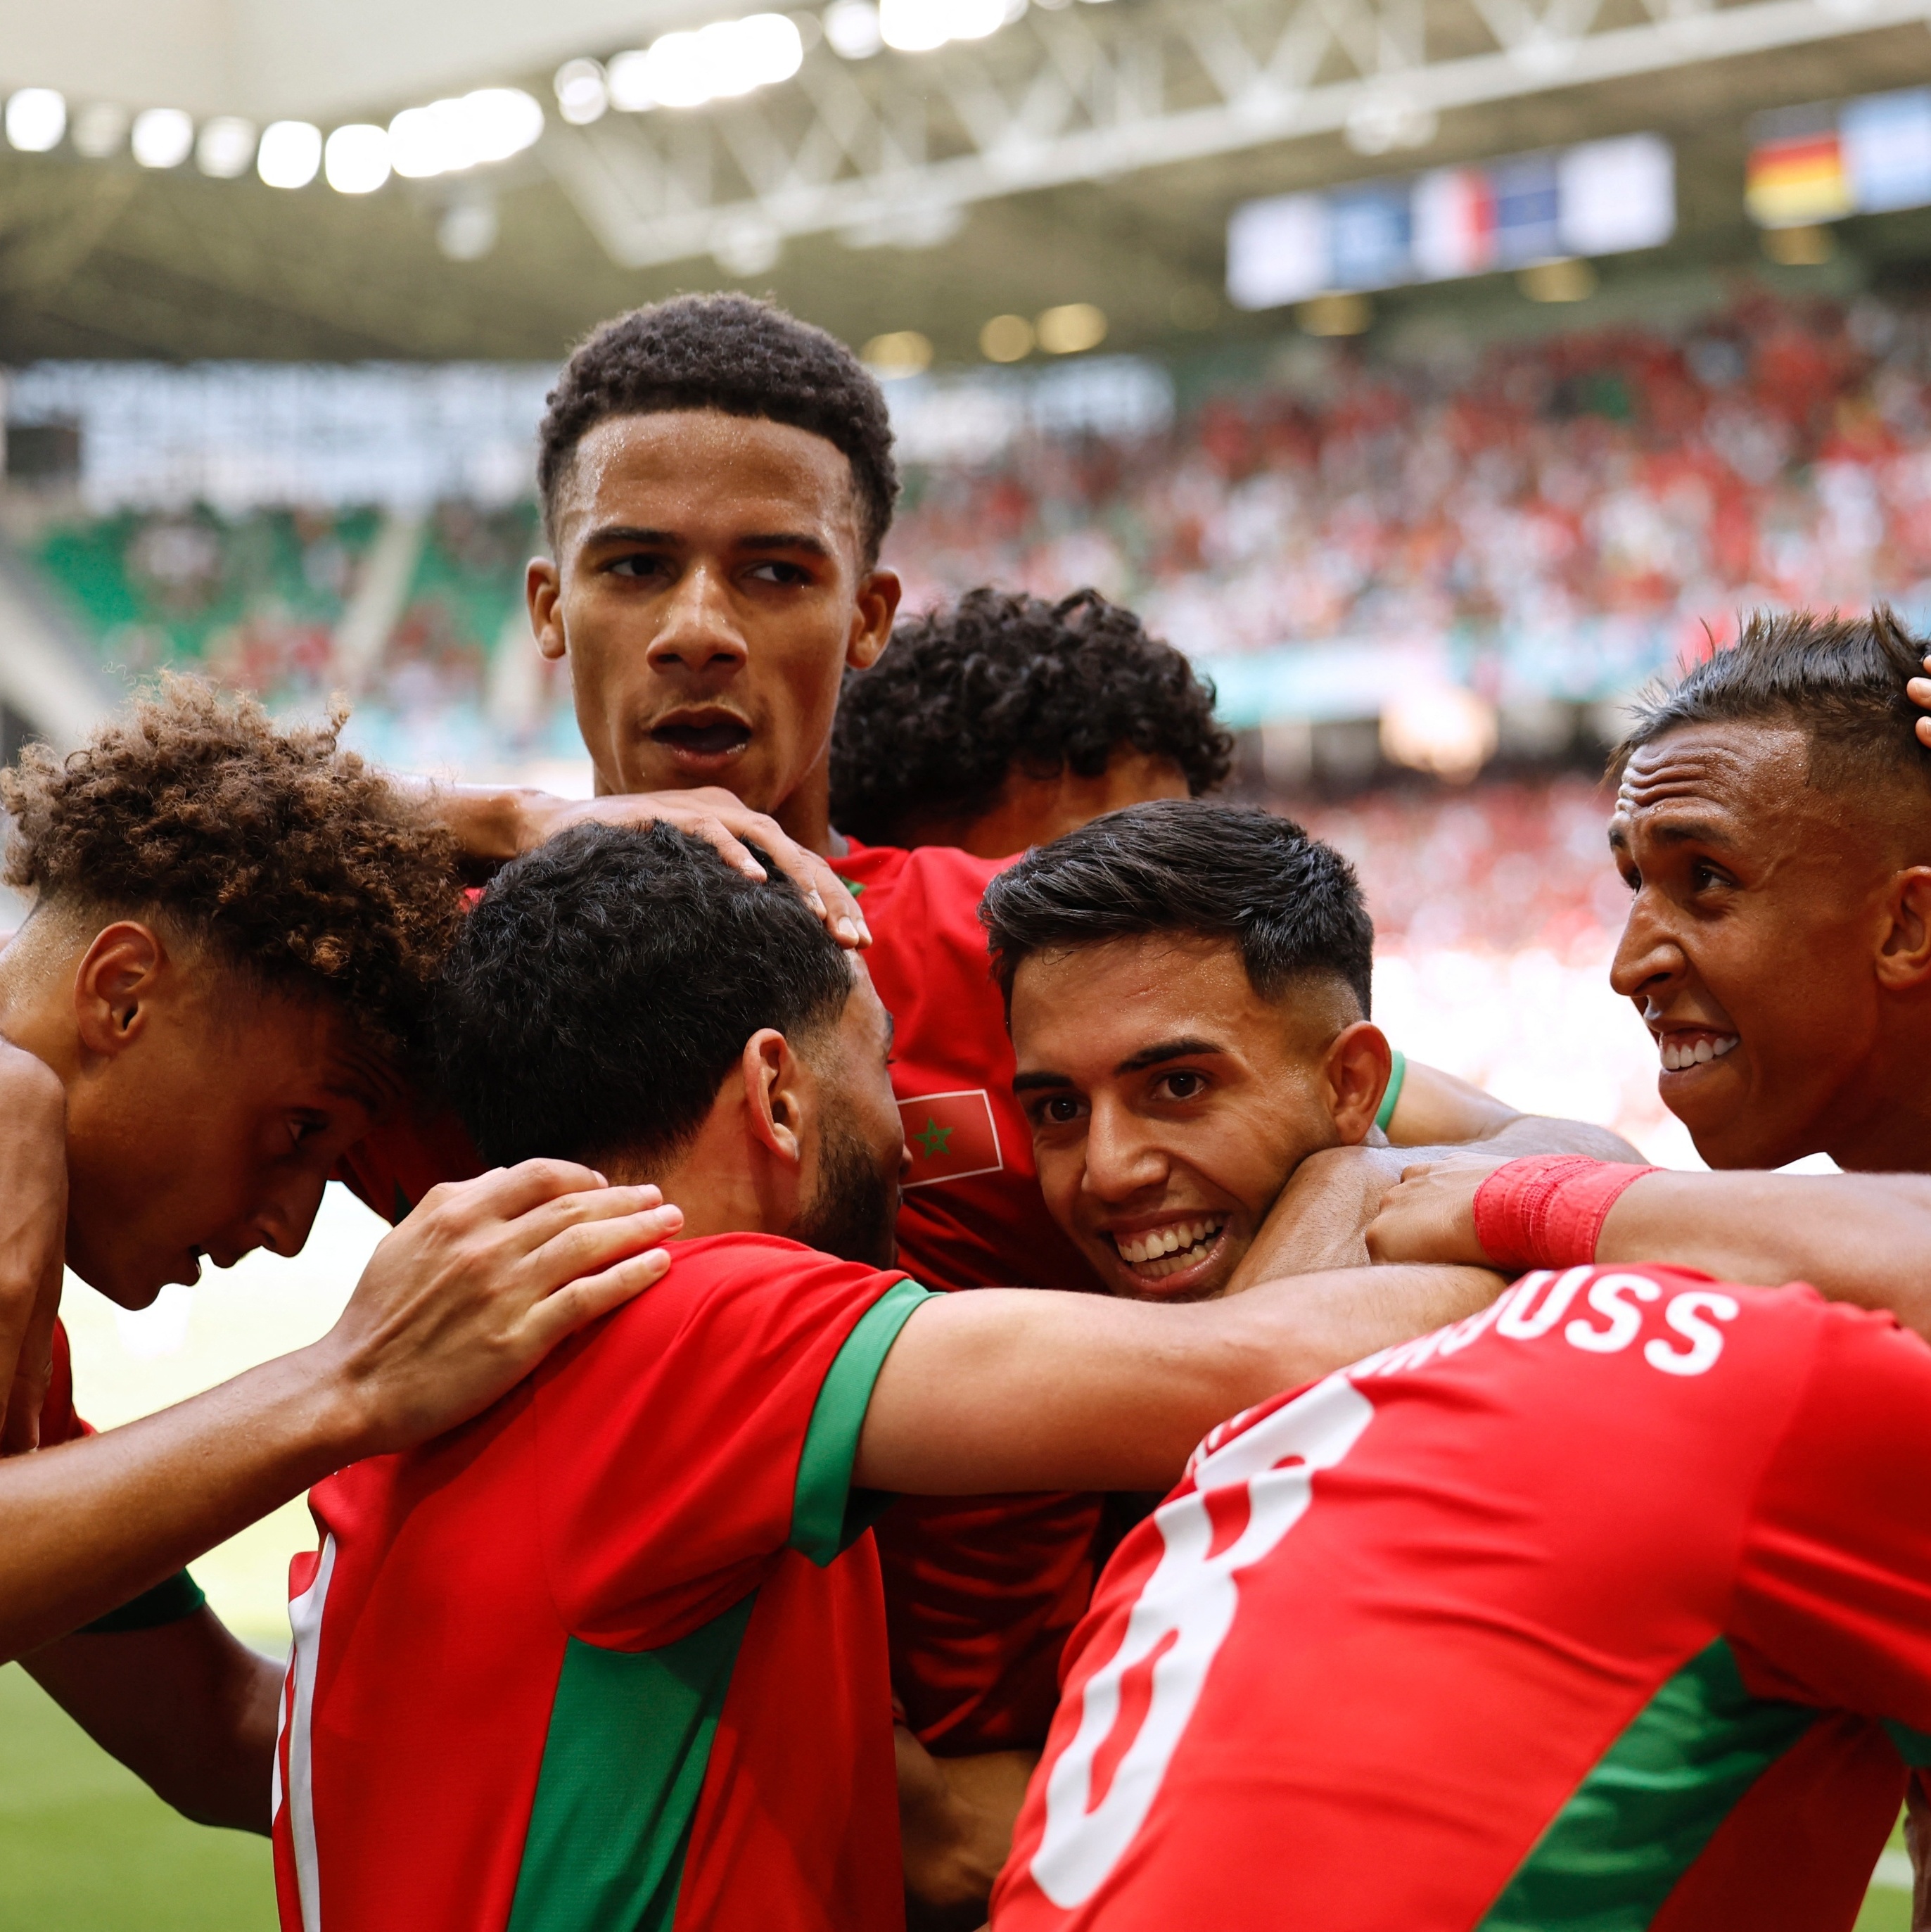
(1032, 1389)
(1436, 1109)
(1861, 1237)
(455, 1307)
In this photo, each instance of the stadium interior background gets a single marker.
(1433, 372)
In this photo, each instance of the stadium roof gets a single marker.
(1083, 153)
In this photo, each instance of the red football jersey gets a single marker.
(612, 1654)
(1609, 1606)
(980, 1595)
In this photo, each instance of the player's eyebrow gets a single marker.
(630, 533)
(785, 540)
(1030, 1083)
(1186, 1047)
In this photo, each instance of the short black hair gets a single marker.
(731, 352)
(1001, 680)
(605, 984)
(1839, 680)
(1186, 866)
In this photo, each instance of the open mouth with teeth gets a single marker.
(1154, 1253)
(1682, 1050)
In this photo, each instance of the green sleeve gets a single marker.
(168, 1603)
(1391, 1099)
(823, 1521)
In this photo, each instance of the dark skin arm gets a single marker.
(1436, 1109)
(456, 1305)
(1859, 1237)
(185, 1707)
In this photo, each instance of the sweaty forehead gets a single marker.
(1730, 770)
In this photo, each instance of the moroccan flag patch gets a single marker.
(950, 1135)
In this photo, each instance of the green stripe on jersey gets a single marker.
(629, 1742)
(820, 1524)
(1391, 1094)
(1913, 1747)
(1643, 1816)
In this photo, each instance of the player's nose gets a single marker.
(698, 629)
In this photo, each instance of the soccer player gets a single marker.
(1609, 1606)
(233, 933)
(1003, 720)
(717, 480)
(627, 1627)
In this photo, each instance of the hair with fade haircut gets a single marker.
(1186, 867)
(290, 860)
(605, 984)
(1001, 681)
(730, 352)
(1839, 680)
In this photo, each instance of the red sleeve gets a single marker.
(1833, 1599)
(705, 1429)
(58, 1423)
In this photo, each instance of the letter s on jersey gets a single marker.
(1626, 1322)
(1685, 1314)
(1184, 1611)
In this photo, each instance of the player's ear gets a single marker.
(876, 604)
(1354, 1073)
(775, 1100)
(1904, 956)
(542, 591)
(116, 985)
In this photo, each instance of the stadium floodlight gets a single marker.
(719, 62)
(1071, 329)
(904, 352)
(851, 26)
(164, 137)
(1006, 338)
(582, 92)
(355, 159)
(489, 124)
(36, 119)
(101, 129)
(290, 155)
(225, 146)
(918, 26)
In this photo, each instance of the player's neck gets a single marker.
(724, 1181)
(1886, 1129)
(804, 815)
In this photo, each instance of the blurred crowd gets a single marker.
(1778, 453)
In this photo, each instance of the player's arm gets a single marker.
(1860, 1238)
(1436, 1109)
(186, 1706)
(1034, 1389)
(492, 824)
(955, 1821)
(33, 1236)
(455, 1307)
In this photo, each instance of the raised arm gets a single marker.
(1029, 1389)
(1864, 1238)
(1436, 1109)
(456, 1307)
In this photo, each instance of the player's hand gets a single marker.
(721, 819)
(1318, 1219)
(462, 1299)
(1918, 690)
(1429, 1214)
(33, 1237)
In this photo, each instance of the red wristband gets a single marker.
(1548, 1211)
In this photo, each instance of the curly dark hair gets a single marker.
(730, 352)
(1003, 679)
(293, 861)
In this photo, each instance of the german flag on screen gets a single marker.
(1797, 178)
